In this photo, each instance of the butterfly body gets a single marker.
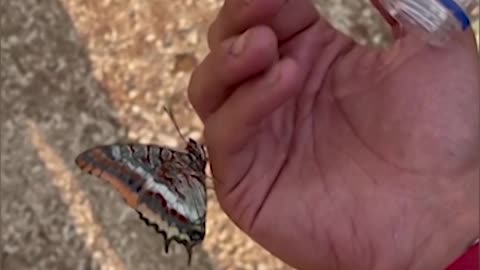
(165, 186)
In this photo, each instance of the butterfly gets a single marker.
(166, 187)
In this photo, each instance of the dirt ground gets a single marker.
(76, 73)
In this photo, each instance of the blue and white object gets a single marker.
(433, 20)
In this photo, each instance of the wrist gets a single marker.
(469, 260)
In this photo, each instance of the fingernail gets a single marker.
(239, 44)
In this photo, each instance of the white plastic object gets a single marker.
(433, 20)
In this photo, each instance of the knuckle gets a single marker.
(192, 87)
(198, 79)
(211, 36)
(214, 31)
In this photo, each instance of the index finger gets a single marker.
(236, 16)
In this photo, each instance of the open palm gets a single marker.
(336, 156)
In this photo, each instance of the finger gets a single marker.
(294, 17)
(285, 17)
(236, 16)
(244, 111)
(236, 60)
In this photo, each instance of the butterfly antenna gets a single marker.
(172, 118)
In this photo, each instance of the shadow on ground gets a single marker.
(53, 217)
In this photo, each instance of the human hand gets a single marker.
(333, 155)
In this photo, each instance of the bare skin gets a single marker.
(336, 156)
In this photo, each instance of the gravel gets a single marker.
(76, 73)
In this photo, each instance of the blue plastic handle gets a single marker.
(457, 12)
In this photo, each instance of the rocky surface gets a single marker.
(76, 73)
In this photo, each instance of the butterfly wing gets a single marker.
(159, 183)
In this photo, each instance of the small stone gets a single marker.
(150, 38)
